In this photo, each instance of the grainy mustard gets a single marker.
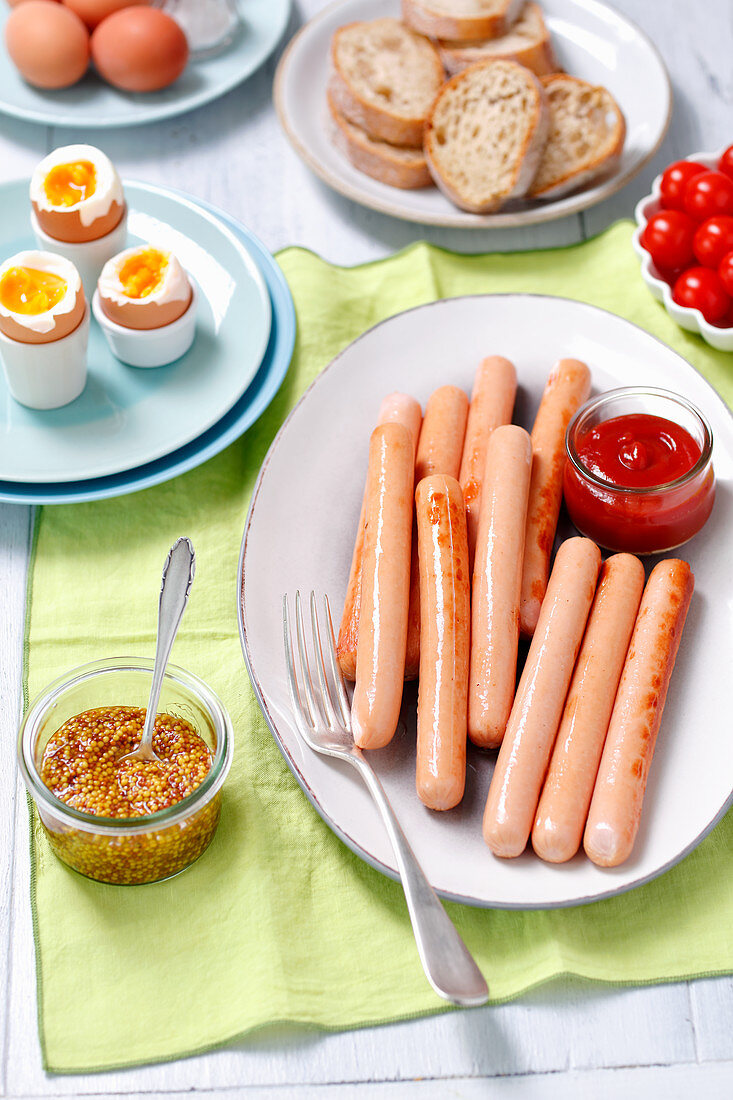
(82, 766)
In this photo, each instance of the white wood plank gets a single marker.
(694, 50)
(713, 1081)
(21, 147)
(712, 1017)
(567, 1026)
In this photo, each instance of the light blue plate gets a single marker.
(126, 416)
(241, 416)
(91, 102)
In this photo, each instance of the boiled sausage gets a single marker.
(563, 808)
(567, 388)
(535, 717)
(492, 402)
(385, 587)
(445, 624)
(615, 809)
(497, 578)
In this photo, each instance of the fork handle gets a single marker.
(447, 963)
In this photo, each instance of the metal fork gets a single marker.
(324, 720)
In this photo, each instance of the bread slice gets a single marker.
(587, 131)
(486, 134)
(527, 42)
(405, 168)
(385, 79)
(461, 20)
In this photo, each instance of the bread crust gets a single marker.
(528, 156)
(459, 28)
(379, 123)
(537, 55)
(377, 159)
(575, 179)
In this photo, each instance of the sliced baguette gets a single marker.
(385, 79)
(527, 42)
(461, 20)
(405, 168)
(485, 135)
(587, 131)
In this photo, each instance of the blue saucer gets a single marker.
(241, 416)
(93, 103)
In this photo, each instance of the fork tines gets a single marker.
(328, 706)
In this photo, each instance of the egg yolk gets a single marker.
(28, 291)
(68, 184)
(143, 273)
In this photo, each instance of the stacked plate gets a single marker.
(132, 428)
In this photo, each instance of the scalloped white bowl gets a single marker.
(690, 319)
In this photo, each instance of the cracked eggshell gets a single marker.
(89, 219)
(165, 304)
(55, 323)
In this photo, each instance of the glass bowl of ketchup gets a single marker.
(639, 476)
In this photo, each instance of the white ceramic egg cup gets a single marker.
(88, 257)
(46, 376)
(685, 316)
(151, 347)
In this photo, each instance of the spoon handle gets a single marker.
(178, 573)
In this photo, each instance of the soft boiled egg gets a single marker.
(41, 298)
(77, 195)
(144, 288)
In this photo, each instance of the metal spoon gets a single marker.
(178, 573)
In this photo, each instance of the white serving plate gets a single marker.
(685, 316)
(300, 532)
(592, 41)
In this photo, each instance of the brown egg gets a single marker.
(35, 285)
(94, 11)
(76, 194)
(47, 43)
(69, 227)
(14, 3)
(139, 49)
(144, 288)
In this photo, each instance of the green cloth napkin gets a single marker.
(279, 921)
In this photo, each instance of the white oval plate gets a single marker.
(126, 417)
(592, 41)
(300, 532)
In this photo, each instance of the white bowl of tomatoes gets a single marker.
(684, 239)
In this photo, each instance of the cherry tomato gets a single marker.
(725, 164)
(675, 180)
(700, 288)
(668, 238)
(726, 321)
(709, 194)
(725, 271)
(713, 240)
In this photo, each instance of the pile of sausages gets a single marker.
(442, 588)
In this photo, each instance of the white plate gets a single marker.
(300, 532)
(593, 42)
(127, 417)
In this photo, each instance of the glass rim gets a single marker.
(146, 823)
(638, 391)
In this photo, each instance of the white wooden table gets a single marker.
(569, 1039)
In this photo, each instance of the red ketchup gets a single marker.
(638, 483)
